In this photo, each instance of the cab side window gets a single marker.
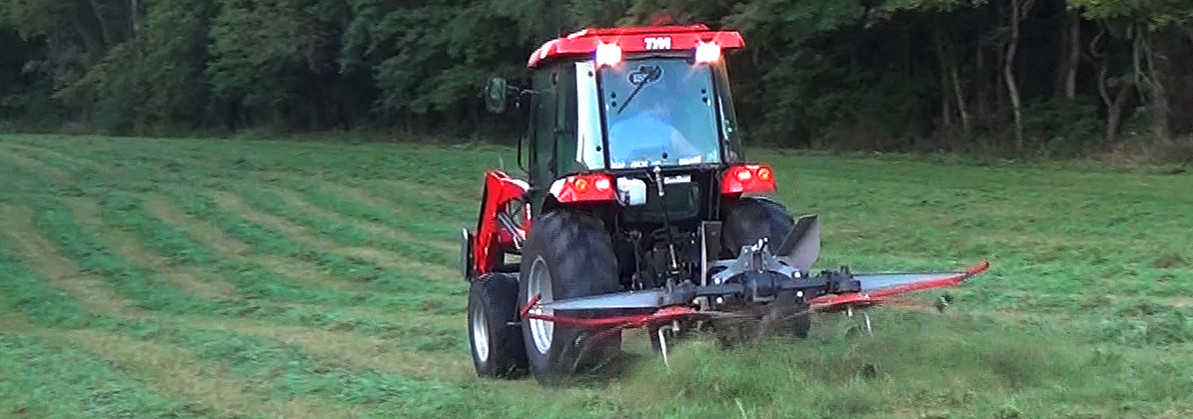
(565, 122)
(542, 146)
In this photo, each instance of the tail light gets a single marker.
(748, 178)
(584, 188)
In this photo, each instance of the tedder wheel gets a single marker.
(496, 345)
(568, 254)
(748, 220)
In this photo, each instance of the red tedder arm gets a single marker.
(878, 287)
(493, 238)
(875, 289)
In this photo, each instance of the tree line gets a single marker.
(1052, 77)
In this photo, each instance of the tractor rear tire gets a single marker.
(496, 345)
(568, 254)
(750, 219)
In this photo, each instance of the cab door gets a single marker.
(553, 129)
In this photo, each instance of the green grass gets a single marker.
(346, 233)
(42, 380)
(340, 262)
(922, 364)
(25, 293)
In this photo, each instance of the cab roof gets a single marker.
(634, 39)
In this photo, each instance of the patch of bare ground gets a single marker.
(178, 374)
(35, 166)
(45, 259)
(353, 351)
(190, 279)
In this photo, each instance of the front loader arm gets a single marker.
(495, 232)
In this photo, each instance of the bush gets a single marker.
(1062, 128)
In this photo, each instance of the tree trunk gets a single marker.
(135, 15)
(1000, 92)
(1158, 69)
(981, 84)
(1008, 71)
(1062, 53)
(946, 109)
(1104, 94)
(966, 127)
(1114, 113)
(1073, 62)
(98, 12)
(1116, 106)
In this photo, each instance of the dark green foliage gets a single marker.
(23, 95)
(845, 74)
(1063, 128)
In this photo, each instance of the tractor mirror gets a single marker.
(495, 91)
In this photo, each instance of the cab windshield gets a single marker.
(659, 112)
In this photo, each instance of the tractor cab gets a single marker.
(623, 102)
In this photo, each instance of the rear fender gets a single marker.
(493, 236)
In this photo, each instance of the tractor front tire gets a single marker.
(496, 345)
(568, 254)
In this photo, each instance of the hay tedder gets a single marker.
(639, 211)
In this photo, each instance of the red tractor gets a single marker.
(640, 211)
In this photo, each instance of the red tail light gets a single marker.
(744, 176)
(748, 178)
(584, 188)
(765, 174)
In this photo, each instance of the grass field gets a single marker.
(206, 278)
